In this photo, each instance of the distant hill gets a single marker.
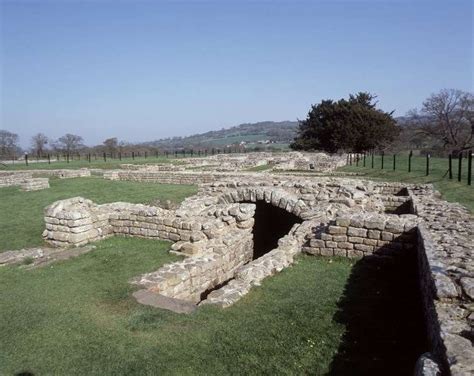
(266, 133)
(253, 134)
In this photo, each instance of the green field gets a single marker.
(83, 163)
(452, 190)
(21, 213)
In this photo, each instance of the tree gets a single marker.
(354, 125)
(69, 143)
(111, 145)
(38, 143)
(448, 116)
(8, 143)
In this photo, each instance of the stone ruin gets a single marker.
(226, 248)
(34, 180)
(24, 180)
(225, 166)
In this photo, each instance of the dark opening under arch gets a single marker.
(271, 224)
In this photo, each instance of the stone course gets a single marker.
(224, 166)
(24, 180)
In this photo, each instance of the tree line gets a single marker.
(69, 144)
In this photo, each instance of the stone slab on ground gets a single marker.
(156, 300)
(38, 257)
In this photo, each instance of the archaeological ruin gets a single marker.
(243, 226)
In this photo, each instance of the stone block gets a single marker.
(354, 231)
(373, 234)
(336, 230)
(355, 239)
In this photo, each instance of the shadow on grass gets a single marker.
(381, 310)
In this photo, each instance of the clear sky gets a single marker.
(143, 70)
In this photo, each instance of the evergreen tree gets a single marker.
(352, 125)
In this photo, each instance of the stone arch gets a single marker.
(275, 196)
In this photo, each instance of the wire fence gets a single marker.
(458, 166)
(49, 158)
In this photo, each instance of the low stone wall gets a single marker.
(24, 180)
(8, 179)
(360, 235)
(445, 245)
(63, 174)
(169, 177)
(75, 222)
(191, 278)
(34, 184)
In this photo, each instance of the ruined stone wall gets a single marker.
(34, 184)
(63, 173)
(191, 278)
(8, 179)
(446, 264)
(360, 235)
(341, 217)
(24, 180)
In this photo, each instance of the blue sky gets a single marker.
(146, 70)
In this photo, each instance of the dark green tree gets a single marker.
(351, 125)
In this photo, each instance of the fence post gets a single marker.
(450, 165)
(409, 160)
(133, 155)
(26, 159)
(49, 159)
(460, 166)
(67, 157)
(469, 168)
(357, 160)
(364, 159)
(428, 156)
(105, 157)
(383, 154)
(394, 162)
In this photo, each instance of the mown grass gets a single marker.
(260, 168)
(84, 163)
(452, 190)
(21, 213)
(78, 318)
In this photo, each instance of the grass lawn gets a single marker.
(21, 213)
(78, 318)
(83, 163)
(452, 190)
(260, 168)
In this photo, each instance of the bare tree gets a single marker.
(69, 143)
(38, 143)
(449, 117)
(8, 143)
(111, 145)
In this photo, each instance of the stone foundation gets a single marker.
(339, 217)
(24, 180)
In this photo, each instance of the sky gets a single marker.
(144, 70)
